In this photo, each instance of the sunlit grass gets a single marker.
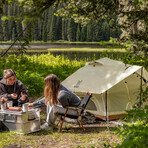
(84, 49)
(72, 136)
(55, 139)
(88, 49)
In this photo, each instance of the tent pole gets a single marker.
(141, 86)
(107, 121)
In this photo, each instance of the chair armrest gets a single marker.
(72, 107)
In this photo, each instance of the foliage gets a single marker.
(32, 70)
(136, 60)
(132, 17)
(50, 27)
(128, 58)
(135, 129)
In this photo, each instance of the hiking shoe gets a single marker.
(45, 126)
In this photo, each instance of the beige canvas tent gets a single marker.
(114, 85)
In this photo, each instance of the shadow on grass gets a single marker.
(88, 130)
(75, 130)
(71, 129)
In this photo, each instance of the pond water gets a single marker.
(57, 45)
(85, 56)
(72, 55)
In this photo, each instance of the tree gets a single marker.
(78, 33)
(64, 30)
(106, 31)
(83, 34)
(99, 32)
(71, 29)
(132, 15)
(48, 21)
(53, 33)
(45, 33)
(89, 32)
(59, 28)
(1, 34)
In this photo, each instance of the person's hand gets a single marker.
(23, 97)
(14, 96)
(30, 104)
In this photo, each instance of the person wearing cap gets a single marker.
(13, 89)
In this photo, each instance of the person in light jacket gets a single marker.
(56, 97)
(13, 89)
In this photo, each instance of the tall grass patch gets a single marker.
(32, 70)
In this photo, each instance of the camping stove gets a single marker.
(20, 121)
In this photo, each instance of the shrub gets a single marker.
(135, 129)
(32, 70)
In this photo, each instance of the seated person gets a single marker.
(13, 89)
(57, 97)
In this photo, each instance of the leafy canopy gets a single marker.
(131, 15)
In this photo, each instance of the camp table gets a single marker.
(19, 121)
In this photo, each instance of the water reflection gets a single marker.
(85, 56)
(72, 55)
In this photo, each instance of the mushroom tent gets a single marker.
(115, 86)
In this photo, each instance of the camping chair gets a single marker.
(79, 111)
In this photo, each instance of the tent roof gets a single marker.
(99, 76)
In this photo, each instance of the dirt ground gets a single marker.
(98, 134)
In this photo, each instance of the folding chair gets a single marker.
(79, 111)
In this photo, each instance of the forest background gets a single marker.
(52, 28)
(31, 70)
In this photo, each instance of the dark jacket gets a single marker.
(7, 90)
(65, 98)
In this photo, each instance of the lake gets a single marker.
(79, 55)
(72, 55)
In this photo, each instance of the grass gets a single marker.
(73, 42)
(39, 50)
(87, 49)
(102, 46)
(72, 136)
(72, 50)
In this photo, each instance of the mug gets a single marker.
(9, 103)
(3, 107)
(25, 107)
